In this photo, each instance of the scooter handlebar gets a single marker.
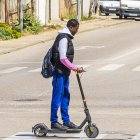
(80, 70)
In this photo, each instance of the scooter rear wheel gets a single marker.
(40, 130)
(91, 131)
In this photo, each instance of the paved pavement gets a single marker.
(112, 82)
(26, 41)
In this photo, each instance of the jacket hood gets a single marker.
(66, 31)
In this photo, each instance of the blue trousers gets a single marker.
(60, 98)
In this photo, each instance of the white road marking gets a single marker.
(5, 63)
(87, 47)
(137, 137)
(84, 66)
(10, 70)
(39, 69)
(35, 70)
(118, 57)
(136, 69)
(30, 136)
(22, 136)
(82, 135)
(100, 61)
(111, 67)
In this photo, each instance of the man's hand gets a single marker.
(80, 70)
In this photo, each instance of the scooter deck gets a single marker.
(65, 131)
(74, 130)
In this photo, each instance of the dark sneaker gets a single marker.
(71, 125)
(58, 126)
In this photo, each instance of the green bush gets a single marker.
(15, 25)
(69, 15)
(83, 18)
(16, 34)
(4, 25)
(7, 33)
(30, 24)
(54, 26)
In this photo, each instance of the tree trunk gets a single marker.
(2, 10)
(90, 8)
(32, 7)
(93, 8)
(6, 12)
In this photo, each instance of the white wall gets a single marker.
(54, 9)
(40, 10)
(86, 4)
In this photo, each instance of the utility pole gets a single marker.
(79, 10)
(49, 10)
(21, 15)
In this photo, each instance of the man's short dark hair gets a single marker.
(72, 22)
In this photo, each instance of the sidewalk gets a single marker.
(25, 41)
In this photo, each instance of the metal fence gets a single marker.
(13, 5)
(9, 9)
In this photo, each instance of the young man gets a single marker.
(62, 58)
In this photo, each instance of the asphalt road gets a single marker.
(111, 57)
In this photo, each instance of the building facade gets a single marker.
(45, 10)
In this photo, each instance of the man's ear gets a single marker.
(70, 27)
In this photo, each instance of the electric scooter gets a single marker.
(91, 130)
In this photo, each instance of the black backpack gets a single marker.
(47, 67)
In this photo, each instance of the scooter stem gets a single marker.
(86, 110)
(81, 90)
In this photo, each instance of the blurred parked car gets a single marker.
(108, 6)
(128, 8)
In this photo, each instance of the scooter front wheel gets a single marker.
(40, 130)
(91, 131)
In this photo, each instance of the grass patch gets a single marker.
(84, 18)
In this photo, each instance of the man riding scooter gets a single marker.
(62, 58)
